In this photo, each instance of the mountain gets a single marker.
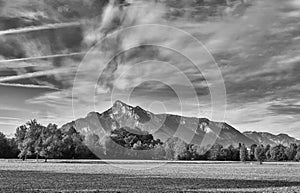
(268, 138)
(199, 131)
(161, 126)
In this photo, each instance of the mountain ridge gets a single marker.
(165, 126)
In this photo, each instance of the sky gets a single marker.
(240, 66)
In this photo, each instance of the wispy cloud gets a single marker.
(10, 121)
(287, 109)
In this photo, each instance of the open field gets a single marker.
(147, 176)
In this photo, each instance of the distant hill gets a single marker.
(164, 126)
(268, 138)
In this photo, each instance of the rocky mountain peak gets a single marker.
(119, 103)
(120, 108)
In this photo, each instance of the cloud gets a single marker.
(53, 105)
(288, 109)
(11, 121)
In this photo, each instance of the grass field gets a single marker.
(137, 176)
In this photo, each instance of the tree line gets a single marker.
(34, 140)
(256, 152)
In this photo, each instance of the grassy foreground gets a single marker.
(16, 176)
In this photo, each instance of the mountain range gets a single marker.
(164, 126)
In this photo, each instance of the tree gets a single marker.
(175, 148)
(243, 153)
(51, 143)
(215, 152)
(159, 152)
(235, 153)
(20, 137)
(28, 138)
(291, 152)
(278, 153)
(33, 138)
(8, 147)
(260, 154)
(268, 155)
(268, 152)
(297, 156)
(169, 149)
(72, 143)
(127, 139)
(180, 149)
(13, 148)
(198, 152)
(138, 146)
(225, 154)
(4, 146)
(252, 152)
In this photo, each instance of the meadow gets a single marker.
(147, 176)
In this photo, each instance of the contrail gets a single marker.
(42, 57)
(39, 28)
(34, 74)
(10, 118)
(28, 86)
(7, 65)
